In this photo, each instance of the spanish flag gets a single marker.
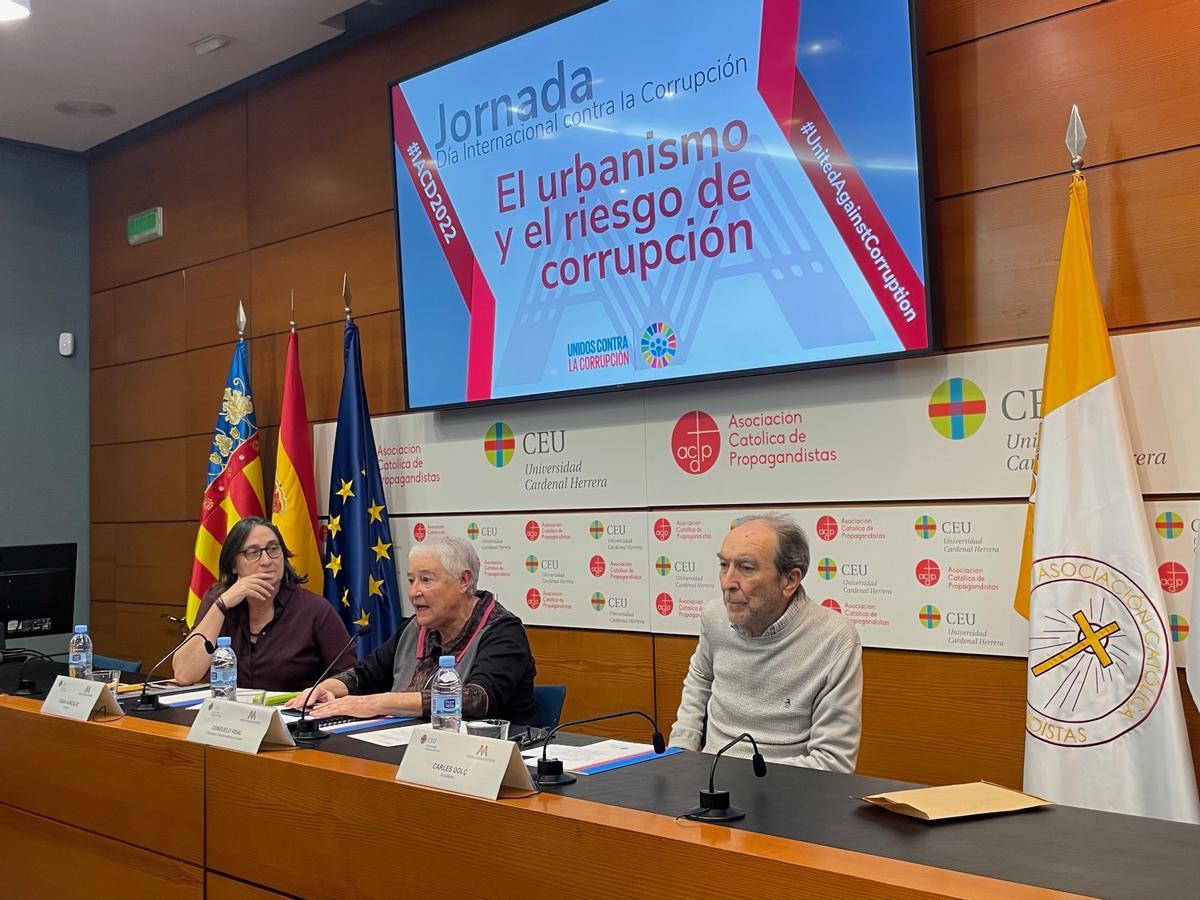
(293, 506)
(1104, 725)
(234, 488)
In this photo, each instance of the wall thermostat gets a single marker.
(66, 343)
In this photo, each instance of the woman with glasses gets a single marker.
(283, 635)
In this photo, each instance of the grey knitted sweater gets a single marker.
(797, 688)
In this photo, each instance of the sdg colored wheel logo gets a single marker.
(658, 345)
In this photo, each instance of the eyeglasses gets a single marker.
(252, 554)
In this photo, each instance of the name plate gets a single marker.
(80, 699)
(239, 726)
(464, 764)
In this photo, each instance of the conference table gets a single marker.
(130, 808)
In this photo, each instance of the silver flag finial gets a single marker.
(241, 321)
(292, 307)
(346, 293)
(1076, 138)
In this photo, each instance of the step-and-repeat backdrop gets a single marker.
(909, 478)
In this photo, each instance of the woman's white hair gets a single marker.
(455, 555)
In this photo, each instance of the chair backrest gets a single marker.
(549, 699)
(121, 665)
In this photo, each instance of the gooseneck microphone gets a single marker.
(306, 731)
(550, 771)
(714, 805)
(150, 704)
(26, 687)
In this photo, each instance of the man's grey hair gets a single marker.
(455, 555)
(791, 551)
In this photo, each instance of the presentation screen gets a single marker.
(645, 192)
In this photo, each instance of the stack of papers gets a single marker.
(596, 758)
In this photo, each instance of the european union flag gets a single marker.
(360, 574)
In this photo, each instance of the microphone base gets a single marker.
(550, 774)
(723, 814)
(146, 704)
(307, 732)
(714, 807)
(26, 687)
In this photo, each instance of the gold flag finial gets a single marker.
(292, 307)
(346, 293)
(1076, 139)
(241, 321)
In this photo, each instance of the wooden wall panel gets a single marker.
(313, 265)
(999, 105)
(218, 887)
(605, 672)
(154, 561)
(194, 170)
(150, 481)
(319, 152)
(949, 22)
(43, 858)
(103, 543)
(148, 318)
(137, 631)
(213, 292)
(999, 250)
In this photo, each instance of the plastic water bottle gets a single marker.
(79, 658)
(222, 677)
(445, 696)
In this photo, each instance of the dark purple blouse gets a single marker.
(293, 648)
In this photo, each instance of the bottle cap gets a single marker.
(224, 641)
(447, 662)
(81, 629)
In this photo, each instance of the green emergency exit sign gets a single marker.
(144, 226)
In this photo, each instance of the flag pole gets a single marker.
(346, 293)
(292, 308)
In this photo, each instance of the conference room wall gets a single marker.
(44, 402)
(288, 186)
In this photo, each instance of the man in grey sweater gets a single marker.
(771, 661)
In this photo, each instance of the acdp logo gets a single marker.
(928, 572)
(695, 442)
(664, 604)
(499, 445)
(596, 565)
(1173, 577)
(827, 528)
(662, 529)
(533, 598)
(957, 408)
(830, 603)
(419, 532)
(532, 530)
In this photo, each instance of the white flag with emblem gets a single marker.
(1104, 721)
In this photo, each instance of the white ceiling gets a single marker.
(134, 56)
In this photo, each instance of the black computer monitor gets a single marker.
(37, 591)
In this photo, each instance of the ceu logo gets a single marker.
(419, 532)
(695, 442)
(925, 527)
(1099, 653)
(658, 345)
(928, 572)
(827, 528)
(1169, 525)
(662, 529)
(1173, 577)
(830, 603)
(531, 564)
(596, 565)
(532, 530)
(957, 408)
(827, 568)
(1179, 628)
(596, 529)
(499, 445)
(930, 616)
(473, 531)
(662, 565)
(598, 602)
(664, 604)
(533, 598)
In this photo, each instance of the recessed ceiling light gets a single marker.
(210, 43)
(14, 10)
(85, 109)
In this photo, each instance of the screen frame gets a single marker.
(933, 324)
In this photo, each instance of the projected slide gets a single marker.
(645, 192)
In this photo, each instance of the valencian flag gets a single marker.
(1104, 723)
(360, 574)
(293, 504)
(234, 488)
